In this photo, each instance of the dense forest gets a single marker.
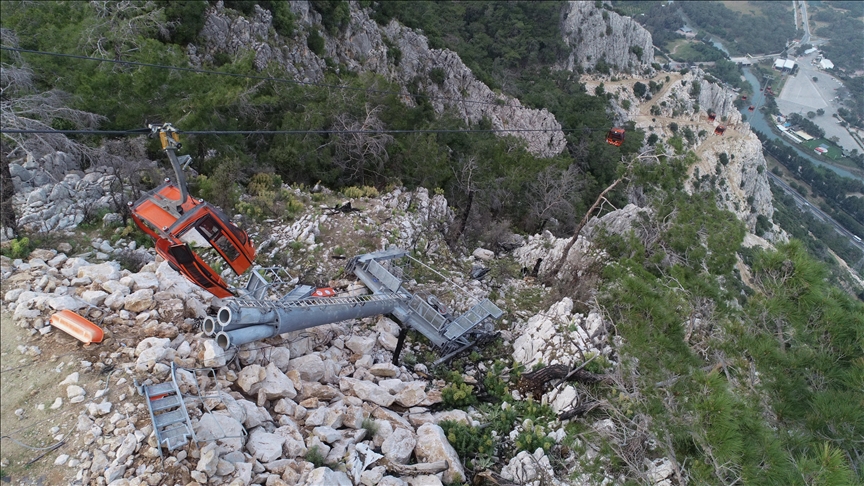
(741, 379)
(837, 191)
(746, 34)
(765, 32)
(845, 32)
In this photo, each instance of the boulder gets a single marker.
(264, 446)
(388, 341)
(64, 302)
(366, 391)
(249, 376)
(527, 468)
(223, 428)
(255, 415)
(151, 342)
(324, 476)
(94, 297)
(100, 273)
(483, 254)
(310, 367)
(387, 370)
(424, 480)
(294, 446)
(209, 459)
(360, 344)
(327, 434)
(281, 357)
(399, 446)
(139, 301)
(432, 446)
(412, 394)
(274, 386)
(144, 280)
(214, 356)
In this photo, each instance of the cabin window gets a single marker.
(210, 229)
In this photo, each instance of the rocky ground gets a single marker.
(324, 406)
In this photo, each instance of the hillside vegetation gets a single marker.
(739, 365)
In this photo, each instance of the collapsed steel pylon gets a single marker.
(254, 316)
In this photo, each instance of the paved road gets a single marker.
(817, 213)
(806, 37)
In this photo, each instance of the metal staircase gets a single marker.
(168, 413)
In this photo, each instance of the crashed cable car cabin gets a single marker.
(615, 136)
(174, 220)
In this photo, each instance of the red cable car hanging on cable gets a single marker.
(174, 219)
(615, 136)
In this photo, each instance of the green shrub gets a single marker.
(18, 248)
(315, 43)
(493, 383)
(533, 437)
(313, 455)
(283, 18)
(458, 394)
(437, 75)
(334, 14)
(468, 441)
(354, 192)
(370, 426)
(187, 19)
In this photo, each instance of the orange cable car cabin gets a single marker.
(751, 108)
(174, 219)
(159, 215)
(712, 116)
(720, 129)
(615, 136)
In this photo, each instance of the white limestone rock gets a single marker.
(264, 446)
(139, 301)
(310, 367)
(249, 376)
(219, 426)
(360, 344)
(399, 446)
(324, 476)
(274, 386)
(432, 446)
(367, 391)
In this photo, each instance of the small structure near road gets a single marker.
(826, 64)
(803, 135)
(784, 65)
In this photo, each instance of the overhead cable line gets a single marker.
(262, 78)
(292, 132)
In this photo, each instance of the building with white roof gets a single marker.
(826, 64)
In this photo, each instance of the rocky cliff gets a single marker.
(683, 100)
(363, 46)
(742, 182)
(597, 33)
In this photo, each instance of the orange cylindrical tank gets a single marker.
(77, 327)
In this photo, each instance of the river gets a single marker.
(759, 123)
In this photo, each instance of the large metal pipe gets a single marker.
(295, 318)
(232, 316)
(209, 326)
(244, 335)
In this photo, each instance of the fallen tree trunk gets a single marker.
(414, 469)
